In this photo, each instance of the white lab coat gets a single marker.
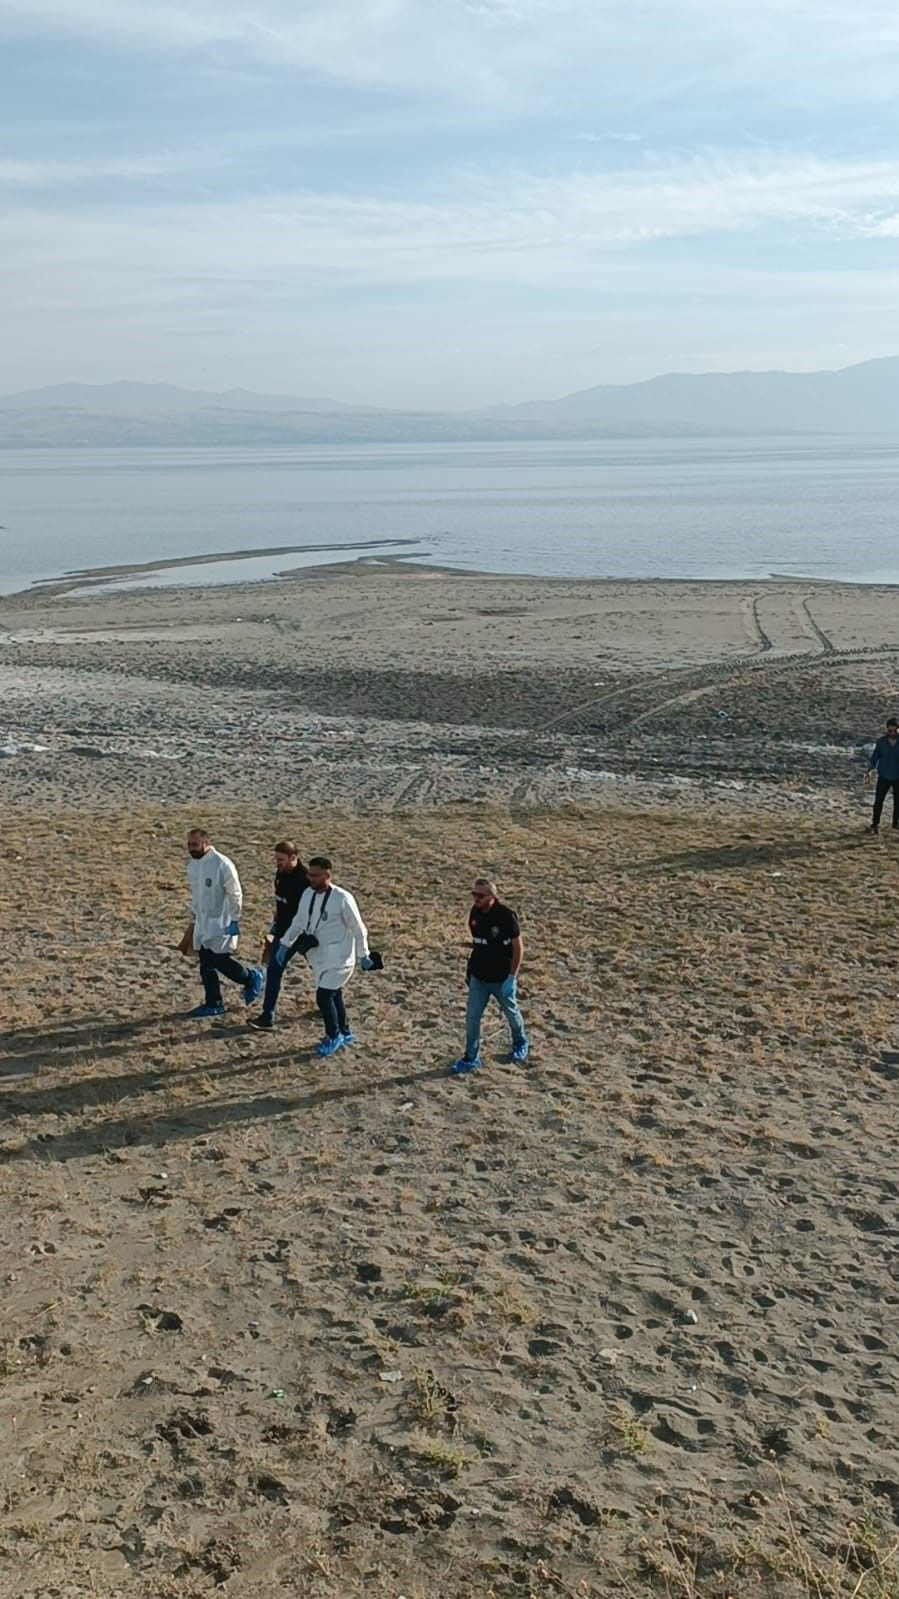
(216, 900)
(340, 930)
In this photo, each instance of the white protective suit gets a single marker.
(340, 930)
(216, 900)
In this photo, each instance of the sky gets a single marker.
(444, 204)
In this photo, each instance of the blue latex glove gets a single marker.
(279, 954)
(232, 929)
(366, 964)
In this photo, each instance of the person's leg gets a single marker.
(895, 788)
(508, 1004)
(324, 999)
(880, 794)
(340, 1010)
(233, 969)
(209, 977)
(273, 975)
(478, 995)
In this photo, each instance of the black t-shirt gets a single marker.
(492, 932)
(288, 888)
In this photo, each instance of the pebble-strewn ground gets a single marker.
(620, 1322)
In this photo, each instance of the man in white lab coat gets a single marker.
(216, 901)
(330, 932)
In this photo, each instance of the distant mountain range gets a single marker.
(159, 398)
(857, 399)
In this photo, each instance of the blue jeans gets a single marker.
(479, 996)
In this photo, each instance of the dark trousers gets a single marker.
(884, 784)
(334, 1016)
(273, 976)
(211, 964)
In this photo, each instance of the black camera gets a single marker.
(305, 942)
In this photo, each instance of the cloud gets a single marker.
(517, 229)
(260, 164)
(885, 228)
(516, 53)
(93, 171)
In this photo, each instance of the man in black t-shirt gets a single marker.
(290, 881)
(496, 951)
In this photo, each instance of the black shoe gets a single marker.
(263, 1023)
(872, 829)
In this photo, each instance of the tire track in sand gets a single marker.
(827, 647)
(698, 681)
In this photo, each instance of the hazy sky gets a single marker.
(444, 202)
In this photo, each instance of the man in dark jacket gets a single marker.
(290, 881)
(885, 762)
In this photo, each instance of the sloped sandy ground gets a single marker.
(620, 1322)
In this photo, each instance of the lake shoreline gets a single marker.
(713, 510)
(103, 579)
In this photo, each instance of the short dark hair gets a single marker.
(322, 862)
(286, 848)
(891, 722)
(198, 832)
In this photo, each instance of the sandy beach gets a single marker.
(386, 685)
(618, 1322)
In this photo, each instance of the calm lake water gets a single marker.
(699, 508)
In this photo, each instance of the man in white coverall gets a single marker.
(217, 901)
(331, 934)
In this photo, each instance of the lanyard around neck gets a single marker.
(309, 926)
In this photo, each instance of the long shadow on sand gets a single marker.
(758, 853)
(90, 1093)
(76, 1027)
(196, 1120)
(84, 1035)
(81, 1041)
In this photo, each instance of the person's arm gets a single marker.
(516, 950)
(233, 894)
(353, 920)
(874, 762)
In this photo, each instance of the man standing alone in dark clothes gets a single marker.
(290, 881)
(885, 761)
(496, 951)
